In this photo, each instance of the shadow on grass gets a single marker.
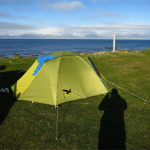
(6, 102)
(3, 67)
(7, 79)
(112, 134)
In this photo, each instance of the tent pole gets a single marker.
(57, 125)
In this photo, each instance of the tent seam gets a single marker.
(49, 77)
(60, 78)
(30, 84)
(93, 70)
(89, 66)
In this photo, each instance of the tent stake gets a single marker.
(57, 125)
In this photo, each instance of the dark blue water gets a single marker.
(40, 47)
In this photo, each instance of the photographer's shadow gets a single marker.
(112, 134)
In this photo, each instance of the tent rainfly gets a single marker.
(60, 77)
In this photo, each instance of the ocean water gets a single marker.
(40, 47)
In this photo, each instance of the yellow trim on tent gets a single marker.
(24, 82)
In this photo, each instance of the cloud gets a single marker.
(15, 26)
(6, 15)
(10, 16)
(108, 1)
(93, 1)
(109, 14)
(86, 31)
(100, 30)
(63, 6)
(23, 17)
(66, 36)
(88, 18)
(39, 20)
(15, 1)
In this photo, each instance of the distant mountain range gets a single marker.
(88, 36)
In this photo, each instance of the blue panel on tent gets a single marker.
(41, 61)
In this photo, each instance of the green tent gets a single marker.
(65, 77)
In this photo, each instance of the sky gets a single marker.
(130, 19)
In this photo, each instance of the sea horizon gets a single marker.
(40, 47)
(72, 39)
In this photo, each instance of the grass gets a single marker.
(83, 124)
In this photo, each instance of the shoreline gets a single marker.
(79, 52)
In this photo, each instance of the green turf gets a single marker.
(86, 123)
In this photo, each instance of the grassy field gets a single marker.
(119, 121)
